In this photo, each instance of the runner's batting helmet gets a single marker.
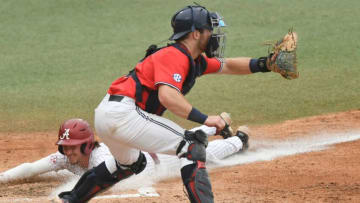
(75, 132)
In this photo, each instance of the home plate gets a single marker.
(142, 192)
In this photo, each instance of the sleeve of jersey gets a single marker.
(26, 170)
(222, 148)
(214, 65)
(171, 68)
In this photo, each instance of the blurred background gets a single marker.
(58, 58)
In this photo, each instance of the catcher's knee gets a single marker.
(138, 166)
(193, 147)
(194, 175)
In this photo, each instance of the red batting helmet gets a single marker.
(75, 132)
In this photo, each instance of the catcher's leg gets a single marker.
(193, 173)
(101, 178)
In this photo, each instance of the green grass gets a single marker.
(57, 58)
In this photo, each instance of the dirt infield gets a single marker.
(329, 175)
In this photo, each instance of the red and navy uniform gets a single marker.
(172, 66)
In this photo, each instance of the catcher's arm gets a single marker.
(175, 102)
(238, 66)
(281, 59)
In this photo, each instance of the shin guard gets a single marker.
(99, 179)
(194, 175)
(197, 183)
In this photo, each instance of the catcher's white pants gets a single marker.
(126, 129)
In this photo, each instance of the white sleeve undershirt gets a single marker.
(53, 162)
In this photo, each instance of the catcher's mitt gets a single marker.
(282, 58)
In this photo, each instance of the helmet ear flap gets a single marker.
(60, 149)
(86, 148)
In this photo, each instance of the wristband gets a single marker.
(196, 116)
(258, 65)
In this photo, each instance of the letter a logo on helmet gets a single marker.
(65, 135)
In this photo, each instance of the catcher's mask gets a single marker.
(193, 18)
(75, 132)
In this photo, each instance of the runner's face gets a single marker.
(73, 153)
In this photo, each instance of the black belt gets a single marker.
(116, 98)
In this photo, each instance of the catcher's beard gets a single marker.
(203, 41)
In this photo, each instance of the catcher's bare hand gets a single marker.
(282, 58)
(215, 121)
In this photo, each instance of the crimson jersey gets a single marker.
(168, 66)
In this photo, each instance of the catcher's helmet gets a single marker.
(188, 20)
(75, 132)
(193, 18)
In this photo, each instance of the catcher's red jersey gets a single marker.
(167, 66)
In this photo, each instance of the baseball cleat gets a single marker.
(243, 133)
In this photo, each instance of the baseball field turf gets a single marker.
(57, 58)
